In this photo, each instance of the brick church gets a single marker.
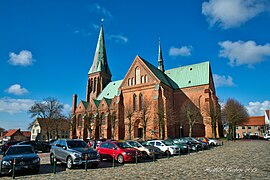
(147, 103)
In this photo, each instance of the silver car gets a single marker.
(73, 152)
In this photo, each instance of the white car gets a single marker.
(165, 146)
(267, 136)
(212, 141)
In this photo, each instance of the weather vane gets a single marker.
(102, 21)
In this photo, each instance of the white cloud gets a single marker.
(244, 53)
(66, 109)
(232, 13)
(102, 11)
(16, 89)
(12, 106)
(24, 58)
(258, 108)
(182, 51)
(118, 38)
(223, 80)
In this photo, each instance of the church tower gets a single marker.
(99, 74)
(160, 58)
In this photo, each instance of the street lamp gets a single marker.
(181, 127)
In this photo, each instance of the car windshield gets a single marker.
(134, 144)
(144, 143)
(123, 145)
(167, 143)
(76, 144)
(20, 150)
(182, 140)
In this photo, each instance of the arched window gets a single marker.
(129, 82)
(133, 81)
(102, 118)
(135, 102)
(141, 101)
(142, 79)
(80, 120)
(146, 78)
(138, 75)
(95, 84)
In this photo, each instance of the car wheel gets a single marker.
(168, 153)
(36, 171)
(94, 165)
(120, 159)
(51, 159)
(69, 163)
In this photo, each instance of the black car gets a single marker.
(37, 145)
(24, 157)
(194, 145)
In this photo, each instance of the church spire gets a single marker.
(160, 58)
(100, 63)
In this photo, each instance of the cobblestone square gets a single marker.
(234, 160)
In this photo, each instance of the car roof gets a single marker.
(23, 145)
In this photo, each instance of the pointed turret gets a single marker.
(160, 58)
(100, 63)
(99, 74)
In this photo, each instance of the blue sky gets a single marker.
(47, 47)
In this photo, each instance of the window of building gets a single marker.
(129, 82)
(79, 120)
(142, 79)
(133, 82)
(37, 131)
(236, 127)
(249, 127)
(255, 127)
(135, 103)
(141, 101)
(243, 127)
(146, 78)
(138, 75)
(33, 131)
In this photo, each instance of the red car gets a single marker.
(120, 151)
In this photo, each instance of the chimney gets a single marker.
(74, 103)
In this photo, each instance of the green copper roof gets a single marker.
(110, 90)
(96, 102)
(85, 104)
(188, 76)
(100, 63)
(108, 101)
(158, 73)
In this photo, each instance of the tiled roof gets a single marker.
(191, 75)
(254, 121)
(11, 132)
(110, 90)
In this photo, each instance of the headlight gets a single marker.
(36, 160)
(77, 155)
(6, 163)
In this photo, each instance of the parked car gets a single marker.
(25, 159)
(37, 145)
(118, 150)
(8, 144)
(147, 150)
(266, 136)
(203, 145)
(74, 152)
(194, 145)
(254, 137)
(165, 146)
(184, 147)
(212, 142)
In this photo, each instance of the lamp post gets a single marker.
(180, 133)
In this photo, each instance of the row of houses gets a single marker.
(14, 135)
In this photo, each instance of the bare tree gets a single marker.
(191, 113)
(49, 110)
(235, 114)
(129, 113)
(160, 118)
(113, 124)
(213, 110)
(145, 115)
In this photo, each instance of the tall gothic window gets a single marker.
(129, 82)
(95, 84)
(140, 101)
(135, 108)
(138, 75)
(80, 120)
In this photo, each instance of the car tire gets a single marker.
(36, 171)
(69, 163)
(168, 153)
(120, 159)
(51, 159)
